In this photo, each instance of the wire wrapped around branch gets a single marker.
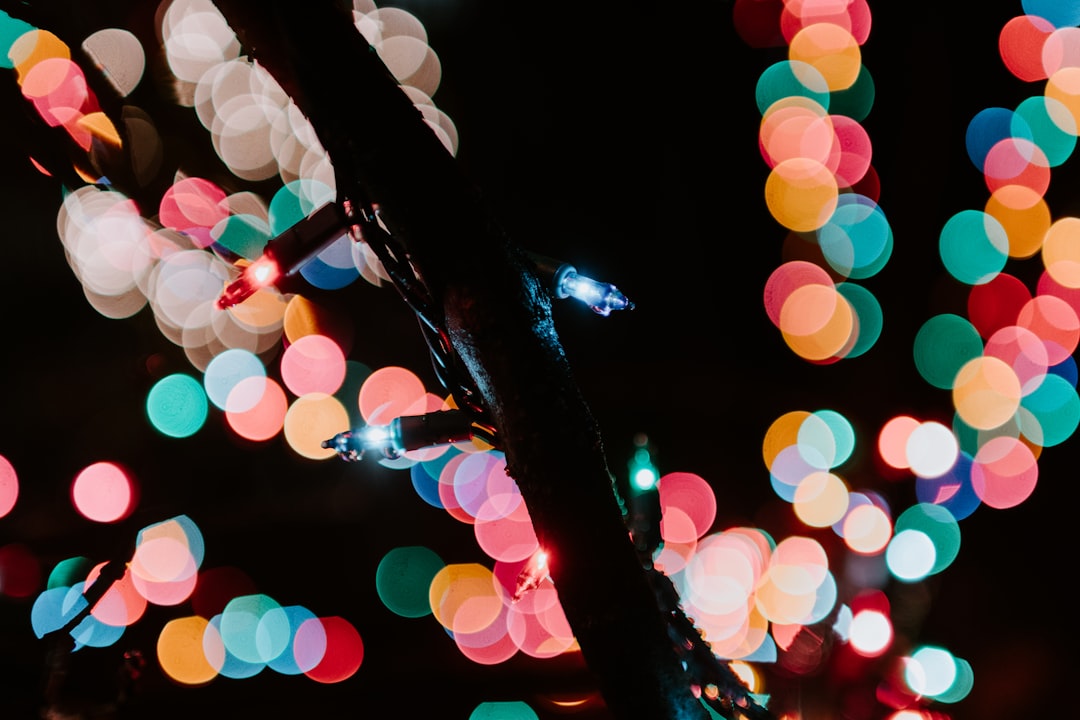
(404, 278)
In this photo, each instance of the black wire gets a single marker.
(445, 362)
(401, 274)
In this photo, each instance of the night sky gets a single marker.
(621, 138)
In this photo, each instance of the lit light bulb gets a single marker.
(534, 573)
(643, 473)
(643, 512)
(285, 254)
(259, 274)
(402, 434)
(566, 282)
(600, 296)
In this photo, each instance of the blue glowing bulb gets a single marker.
(601, 297)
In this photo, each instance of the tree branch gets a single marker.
(498, 317)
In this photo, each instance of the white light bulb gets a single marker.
(601, 297)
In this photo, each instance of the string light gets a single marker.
(565, 281)
(643, 473)
(643, 512)
(535, 572)
(285, 254)
(408, 432)
(600, 296)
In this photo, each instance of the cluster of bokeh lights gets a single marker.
(277, 365)
(274, 366)
(176, 261)
(235, 633)
(821, 184)
(234, 630)
(748, 593)
(1008, 366)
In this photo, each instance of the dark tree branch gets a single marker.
(498, 318)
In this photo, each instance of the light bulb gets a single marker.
(535, 572)
(259, 274)
(566, 282)
(402, 434)
(285, 254)
(600, 296)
